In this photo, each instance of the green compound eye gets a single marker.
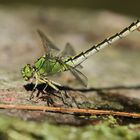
(27, 72)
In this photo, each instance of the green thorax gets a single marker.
(49, 65)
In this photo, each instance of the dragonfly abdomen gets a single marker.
(78, 59)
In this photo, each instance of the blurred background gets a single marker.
(81, 23)
(124, 7)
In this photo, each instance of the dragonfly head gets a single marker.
(27, 72)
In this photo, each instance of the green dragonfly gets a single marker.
(49, 64)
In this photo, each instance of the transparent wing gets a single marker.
(68, 51)
(79, 76)
(79, 66)
(76, 73)
(47, 44)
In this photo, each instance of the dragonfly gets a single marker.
(50, 64)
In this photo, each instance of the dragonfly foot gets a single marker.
(44, 90)
(32, 95)
(76, 102)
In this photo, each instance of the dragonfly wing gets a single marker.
(68, 51)
(79, 76)
(47, 44)
(79, 66)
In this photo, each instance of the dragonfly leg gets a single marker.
(71, 98)
(32, 93)
(50, 101)
(50, 84)
(64, 99)
(53, 85)
(76, 102)
(67, 95)
(44, 90)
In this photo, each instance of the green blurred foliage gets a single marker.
(14, 129)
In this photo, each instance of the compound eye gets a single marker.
(27, 69)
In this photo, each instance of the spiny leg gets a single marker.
(44, 90)
(32, 93)
(66, 95)
(48, 82)
(72, 99)
(50, 101)
(53, 85)
(37, 80)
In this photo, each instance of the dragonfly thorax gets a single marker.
(48, 66)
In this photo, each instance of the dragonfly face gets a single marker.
(27, 72)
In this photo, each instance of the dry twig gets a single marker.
(70, 110)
